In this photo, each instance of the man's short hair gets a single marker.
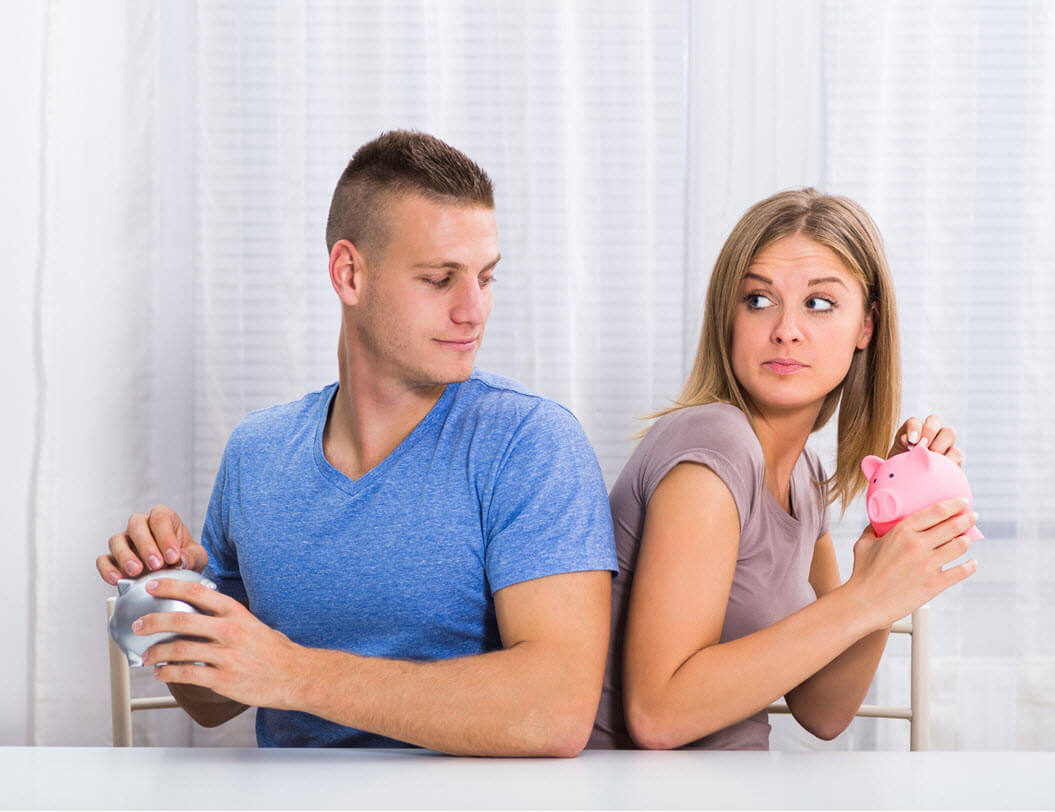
(397, 163)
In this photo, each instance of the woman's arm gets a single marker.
(679, 683)
(825, 703)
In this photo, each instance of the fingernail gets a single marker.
(913, 437)
(113, 578)
(184, 562)
(137, 625)
(974, 517)
(151, 586)
(154, 562)
(171, 555)
(964, 502)
(133, 567)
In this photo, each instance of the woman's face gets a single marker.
(800, 316)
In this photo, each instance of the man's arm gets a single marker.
(536, 697)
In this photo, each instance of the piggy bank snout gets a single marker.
(883, 505)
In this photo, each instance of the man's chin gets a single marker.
(449, 374)
(457, 376)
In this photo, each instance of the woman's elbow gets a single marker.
(827, 728)
(649, 729)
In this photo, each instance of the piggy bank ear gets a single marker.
(870, 465)
(923, 456)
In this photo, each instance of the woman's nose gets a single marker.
(787, 329)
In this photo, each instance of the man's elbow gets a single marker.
(560, 730)
(205, 707)
(214, 715)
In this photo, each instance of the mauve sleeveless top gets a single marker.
(771, 580)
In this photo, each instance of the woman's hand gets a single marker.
(895, 575)
(938, 438)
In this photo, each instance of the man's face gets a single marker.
(426, 293)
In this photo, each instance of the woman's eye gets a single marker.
(818, 303)
(756, 301)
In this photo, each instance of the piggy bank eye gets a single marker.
(875, 480)
(891, 475)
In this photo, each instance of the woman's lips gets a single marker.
(784, 366)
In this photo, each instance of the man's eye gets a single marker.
(819, 303)
(487, 280)
(440, 282)
(756, 301)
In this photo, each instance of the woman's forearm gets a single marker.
(722, 684)
(825, 703)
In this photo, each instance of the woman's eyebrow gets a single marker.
(819, 281)
(824, 279)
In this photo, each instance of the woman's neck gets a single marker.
(782, 437)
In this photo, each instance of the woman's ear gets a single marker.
(867, 327)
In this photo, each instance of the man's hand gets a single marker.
(153, 540)
(235, 654)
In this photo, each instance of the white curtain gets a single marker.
(172, 167)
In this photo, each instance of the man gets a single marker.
(420, 553)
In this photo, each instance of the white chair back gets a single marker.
(121, 701)
(918, 711)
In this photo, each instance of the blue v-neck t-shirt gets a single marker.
(495, 486)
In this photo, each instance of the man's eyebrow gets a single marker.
(450, 265)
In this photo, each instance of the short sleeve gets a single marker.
(716, 435)
(215, 538)
(548, 510)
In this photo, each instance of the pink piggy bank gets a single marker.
(911, 481)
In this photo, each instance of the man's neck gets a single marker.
(370, 416)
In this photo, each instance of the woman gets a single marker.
(729, 594)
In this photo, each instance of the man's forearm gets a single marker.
(521, 701)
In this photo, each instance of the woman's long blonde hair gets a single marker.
(870, 394)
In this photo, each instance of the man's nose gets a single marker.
(470, 305)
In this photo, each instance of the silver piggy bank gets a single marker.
(133, 601)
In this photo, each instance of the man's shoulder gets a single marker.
(490, 394)
(273, 423)
(509, 415)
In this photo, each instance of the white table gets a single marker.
(211, 778)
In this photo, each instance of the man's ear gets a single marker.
(867, 328)
(346, 272)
